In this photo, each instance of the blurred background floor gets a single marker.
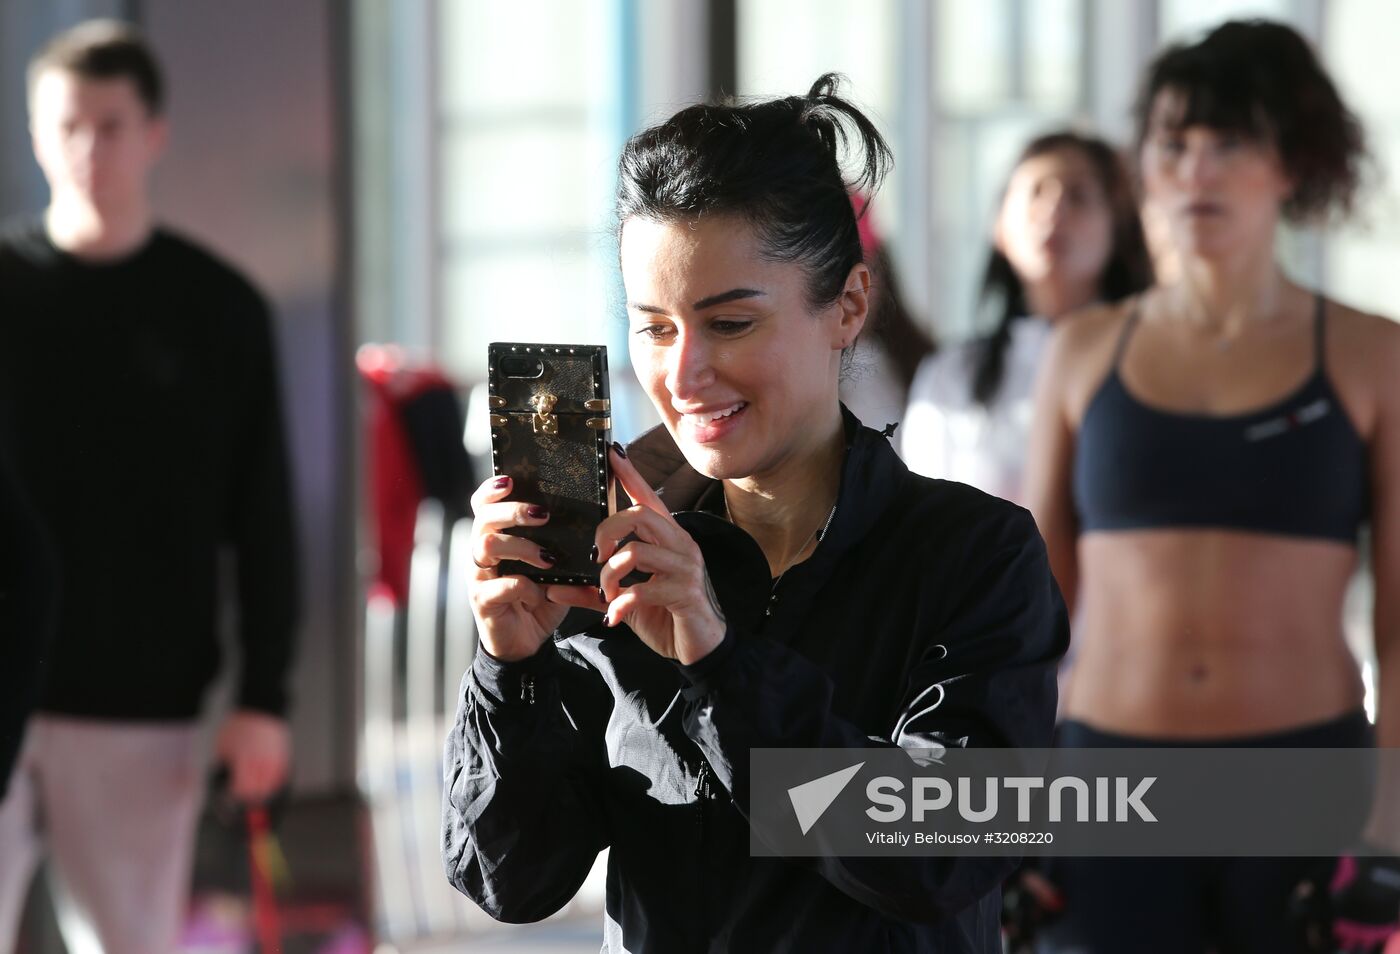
(574, 937)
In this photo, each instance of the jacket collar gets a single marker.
(870, 475)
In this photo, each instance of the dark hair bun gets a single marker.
(776, 163)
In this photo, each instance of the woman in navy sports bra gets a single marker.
(1203, 459)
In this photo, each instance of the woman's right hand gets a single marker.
(513, 615)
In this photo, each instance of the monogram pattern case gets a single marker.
(551, 426)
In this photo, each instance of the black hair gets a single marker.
(1260, 79)
(103, 50)
(1127, 271)
(776, 163)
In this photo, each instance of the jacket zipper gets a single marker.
(702, 793)
(527, 689)
(702, 781)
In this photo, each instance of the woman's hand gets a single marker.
(675, 612)
(514, 617)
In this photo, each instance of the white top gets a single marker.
(947, 434)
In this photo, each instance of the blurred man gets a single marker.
(138, 382)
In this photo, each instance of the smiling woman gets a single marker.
(746, 378)
(804, 590)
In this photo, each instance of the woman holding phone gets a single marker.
(1203, 460)
(805, 590)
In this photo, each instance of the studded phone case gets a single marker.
(551, 426)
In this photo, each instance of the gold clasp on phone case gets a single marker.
(546, 421)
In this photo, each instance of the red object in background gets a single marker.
(266, 922)
(396, 485)
(865, 224)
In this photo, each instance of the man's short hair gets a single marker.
(103, 50)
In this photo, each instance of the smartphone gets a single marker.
(551, 426)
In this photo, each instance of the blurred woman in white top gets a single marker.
(1067, 234)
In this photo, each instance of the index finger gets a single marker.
(632, 482)
(491, 490)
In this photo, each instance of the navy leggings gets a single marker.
(1187, 905)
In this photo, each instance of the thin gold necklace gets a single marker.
(818, 534)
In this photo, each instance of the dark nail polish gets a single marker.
(536, 512)
(500, 483)
(621, 451)
(548, 557)
(601, 595)
(593, 553)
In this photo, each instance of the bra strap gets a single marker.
(1128, 325)
(1320, 332)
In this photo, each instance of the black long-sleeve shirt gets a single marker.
(141, 406)
(596, 741)
(26, 613)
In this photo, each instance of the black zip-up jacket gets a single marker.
(597, 742)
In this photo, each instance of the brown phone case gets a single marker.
(551, 426)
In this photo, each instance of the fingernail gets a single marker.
(548, 557)
(621, 451)
(593, 555)
(601, 595)
(536, 512)
(500, 483)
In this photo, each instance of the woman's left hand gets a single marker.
(675, 612)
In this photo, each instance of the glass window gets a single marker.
(999, 53)
(516, 294)
(783, 45)
(505, 58)
(544, 163)
(974, 53)
(1360, 256)
(956, 98)
(1007, 71)
(528, 124)
(1181, 18)
(1054, 51)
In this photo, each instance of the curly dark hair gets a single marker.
(1262, 80)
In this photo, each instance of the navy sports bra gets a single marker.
(1295, 468)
